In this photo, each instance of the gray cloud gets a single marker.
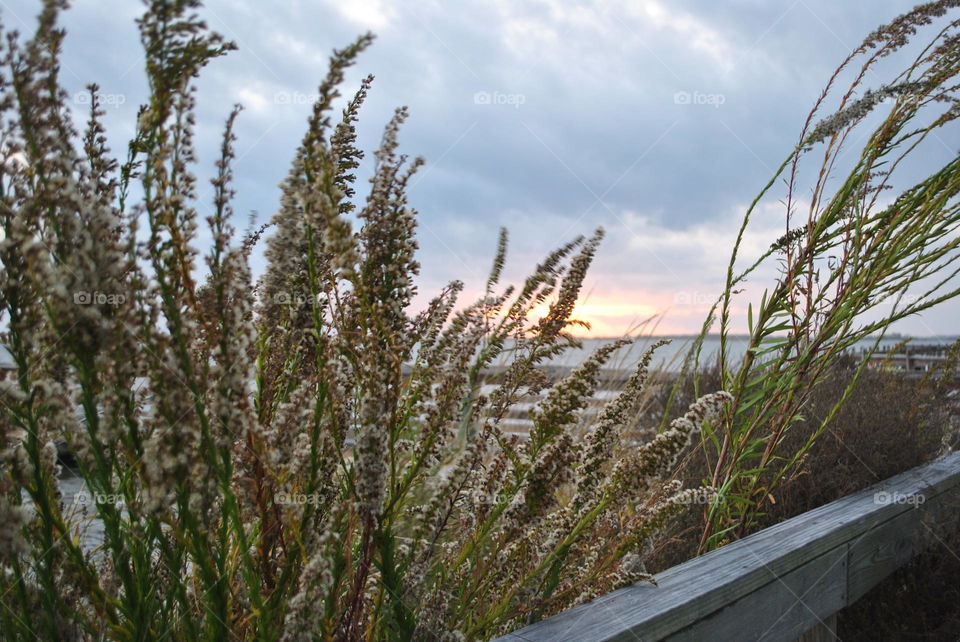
(649, 118)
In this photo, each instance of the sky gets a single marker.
(659, 121)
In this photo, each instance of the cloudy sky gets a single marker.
(659, 121)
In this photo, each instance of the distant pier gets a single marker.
(918, 359)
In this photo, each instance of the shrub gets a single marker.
(890, 422)
(872, 245)
(299, 459)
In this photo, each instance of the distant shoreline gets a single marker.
(946, 338)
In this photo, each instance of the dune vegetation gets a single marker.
(305, 456)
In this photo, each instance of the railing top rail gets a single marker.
(694, 590)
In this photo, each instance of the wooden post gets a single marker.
(825, 631)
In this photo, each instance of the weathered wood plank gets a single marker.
(882, 550)
(699, 587)
(825, 631)
(785, 609)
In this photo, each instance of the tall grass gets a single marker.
(872, 246)
(303, 458)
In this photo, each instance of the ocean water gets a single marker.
(670, 357)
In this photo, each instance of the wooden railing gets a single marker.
(782, 583)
